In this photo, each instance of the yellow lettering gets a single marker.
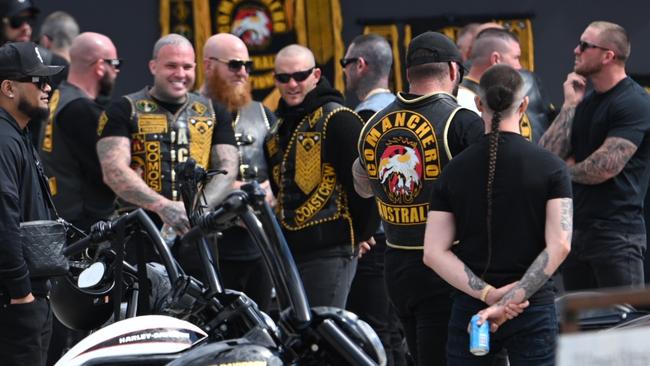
(386, 124)
(432, 170)
(182, 155)
(399, 119)
(413, 121)
(182, 137)
(429, 140)
(423, 129)
(373, 137)
(430, 155)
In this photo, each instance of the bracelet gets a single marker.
(485, 292)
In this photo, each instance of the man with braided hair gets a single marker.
(513, 222)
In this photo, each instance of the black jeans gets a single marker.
(25, 331)
(368, 299)
(604, 258)
(327, 280)
(530, 338)
(249, 277)
(423, 304)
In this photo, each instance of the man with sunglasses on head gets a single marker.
(604, 136)
(25, 316)
(227, 68)
(402, 150)
(310, 152)
(147, 134)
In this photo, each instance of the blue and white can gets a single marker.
(479, 337)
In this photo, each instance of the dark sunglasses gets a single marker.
(235, 65)
(298, 76)
(582, 46)
(39, 81)
(115, 62)
(17, 21)
(346, 61)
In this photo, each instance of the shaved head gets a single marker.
(225, 46)
(89, 47)
(298, 52)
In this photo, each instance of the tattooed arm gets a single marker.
(361, 182)
(223, 157)
(558, 231)
(557, 138)
(604, 163)
(115, 157)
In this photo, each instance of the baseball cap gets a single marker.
(22, 59)
(9, 8)
(441, 48)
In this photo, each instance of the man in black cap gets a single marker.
(18, 16)
(402, 150)
(25, 317)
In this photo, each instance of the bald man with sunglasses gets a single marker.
(310, 153)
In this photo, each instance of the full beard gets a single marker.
(34, 112)
(233, 97)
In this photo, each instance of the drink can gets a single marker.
(479, 337)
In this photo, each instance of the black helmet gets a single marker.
(81, 308)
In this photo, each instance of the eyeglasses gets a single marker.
(115, 62)
(39, 81)
(583, 46)
(235, 65)
(17, 21)
(298, 76)
(346, 61)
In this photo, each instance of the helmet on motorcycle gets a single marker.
(81, 308)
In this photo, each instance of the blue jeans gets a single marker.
(530, 338)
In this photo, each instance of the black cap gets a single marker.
(441, 48)
(22, 59)
(9, 8)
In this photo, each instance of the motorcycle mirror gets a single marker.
(91, 276)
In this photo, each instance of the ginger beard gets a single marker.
(232, 96)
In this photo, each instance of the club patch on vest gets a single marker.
(319, 198)
(403, 215)
(146, 105)
(308, 164)
(153, 169)
(199, 108)
(201, 139)
(152, 123)
(525, 127)
(101, 123)
(47, 133)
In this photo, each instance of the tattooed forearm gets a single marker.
(115, 156)
(474, 282)
(222, 157)
(557, 138)
(536, 276)
(566, 219)
(604, 163)
(361, 182)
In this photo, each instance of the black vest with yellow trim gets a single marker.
(525, 123)
(309, 192)
(162, 140)
(404, 148)
(61, 165)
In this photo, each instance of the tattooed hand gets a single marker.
(173, 214)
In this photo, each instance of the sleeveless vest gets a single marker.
(60, 164)
(251, 127)
(404, 149)
(309, 192)
(163, 140)
(525, 123)
(376, 102)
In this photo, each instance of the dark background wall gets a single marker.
(133, 25)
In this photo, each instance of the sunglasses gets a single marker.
(236, 65)
(583, 46)
(17, 21)
(39, 81)
(298, 76)
(346, 61)
(115, 62)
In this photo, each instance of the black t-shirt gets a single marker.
(78, 122)
(623, 111)
(119, 121)
(527, 176)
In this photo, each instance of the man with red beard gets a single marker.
(604, 136)
(227, 67)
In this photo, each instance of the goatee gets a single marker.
(34, 112)
(233, 97)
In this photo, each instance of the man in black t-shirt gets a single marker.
(402, 150)
(511, 222)
(604, 135)
(146, 134)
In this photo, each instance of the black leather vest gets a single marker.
(60, 163)
(309, 192)
(163, 140)
(404, 149)
(251, 127)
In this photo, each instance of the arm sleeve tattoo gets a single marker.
(557, 138)
(222, 157)
(604, 163)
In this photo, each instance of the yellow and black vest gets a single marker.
(309, 192)
(162, 140)
(404, 149)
